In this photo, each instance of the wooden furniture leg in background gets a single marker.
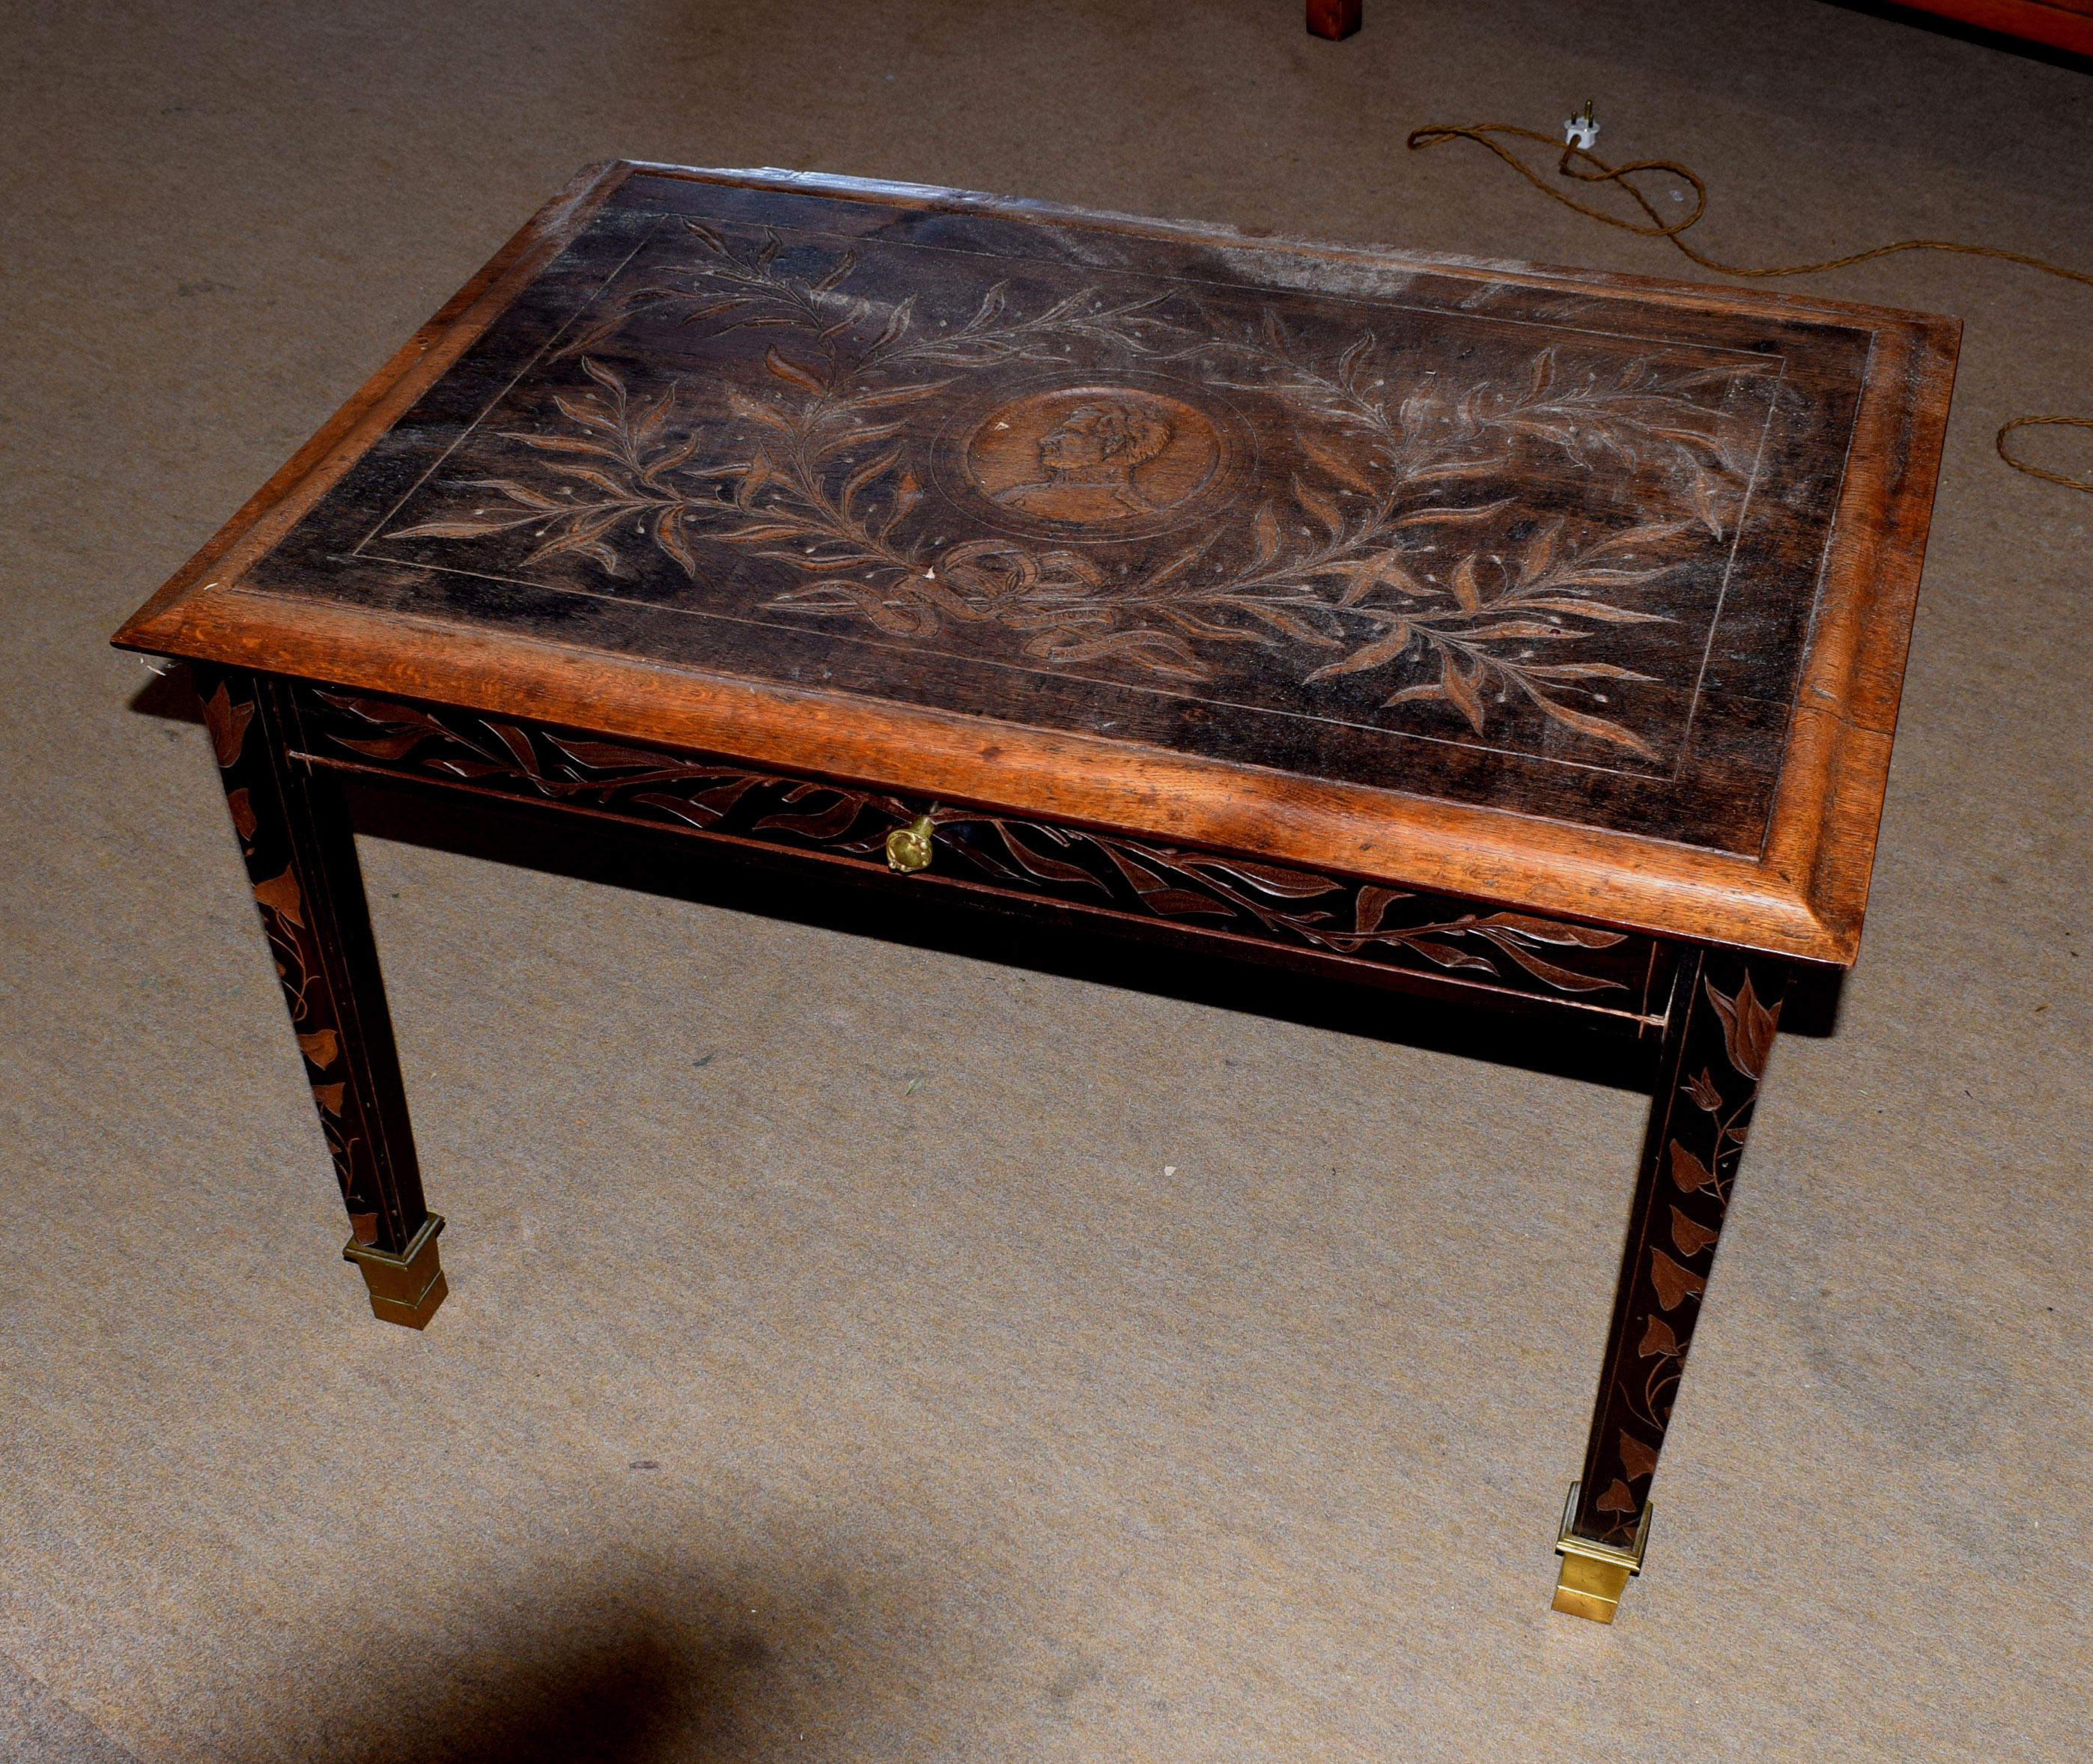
(1333, 18)
(1718, 1033)
(294, 832)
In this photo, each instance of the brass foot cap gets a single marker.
(405, 1287)
(1594, 1575)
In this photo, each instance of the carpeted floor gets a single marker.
(866, 1347)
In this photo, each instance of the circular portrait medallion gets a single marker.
(1092, 456)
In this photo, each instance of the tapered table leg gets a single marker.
(294, 833)
(1332, 17)
(1719, 1030)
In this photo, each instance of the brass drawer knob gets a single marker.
(908, 848)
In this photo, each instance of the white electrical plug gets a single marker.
(1581, 130)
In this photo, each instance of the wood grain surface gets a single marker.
(1581, 593)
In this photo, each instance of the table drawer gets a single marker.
(1241, 906)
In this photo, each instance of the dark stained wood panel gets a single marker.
(1518, 549)
(1411, 540)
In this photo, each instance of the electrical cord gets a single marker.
(1577, 155)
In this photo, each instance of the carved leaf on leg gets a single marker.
(1688, 1172)
(1690, 1238)
(1748, 1027)
(280, 895)
(1617, 1499)
(1674, 1284)
(227, 724)
(1658, 1339)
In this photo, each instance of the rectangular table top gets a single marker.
(1581, 592)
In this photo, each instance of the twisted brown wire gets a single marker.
(1577, 159)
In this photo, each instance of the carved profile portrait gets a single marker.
(1089, 455)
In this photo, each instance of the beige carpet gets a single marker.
(834, 1371)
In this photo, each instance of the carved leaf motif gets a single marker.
(328, 1096)
(789, 372)
(1703, 1091)
(320, 1047)
(1582, 670)
(1554, 931)
(824, 824)
(1269, 878)
(1748, 1027)
(1409, 694)
(674, 543)
(1264, 528)
(756, 410)
(281, 895)
(1384, 647)
(227, 724)
(1373, 903)
(1177, 901)
(1333, 462)
(1617, 1499)
(1637, 1459)
(1461, 689)
(363, 1227)
(603, 755)
(518, 745)
(906, 494)
(880, 399)
(1657, 1339)
(243, 822)
(1439, 516)
(1157, 651)
(1690, 1237)
(1609, 615)
(1705, 504)
(1598, 727)
(1447, 957)
(1688, 1172)
(385, 746)
(1567, 979)
(1145, 879)
(461, 528)
(1673, 1282)
(1320, 506)
(897, 323)
(1047, 869)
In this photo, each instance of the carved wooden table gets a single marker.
(1503, 636)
